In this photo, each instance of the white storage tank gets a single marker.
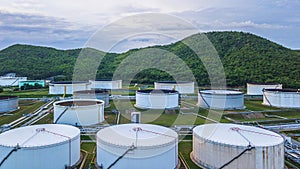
(99, 94)
(79, 112)
(157, 99)
(106, 84)
(67, 87)
(10, 79)
(257, 88)
(215, 145)
(143, 146)
(46, 146)
(8, 103)
(221, 99)
(285, 98)
(181, 87)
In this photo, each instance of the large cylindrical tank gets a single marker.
(157, 99)
(221, 99)
(8, 103)
(67, 87)
(106, 84)
(46, 146)
(99, 94)
(79, 112)
(147, 146)
(257, 88)
(181, 87)
(215, 145)
(286, 98)
(11, 80)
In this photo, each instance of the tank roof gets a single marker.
(94, 91)
(261, 83)
(8, 97)
(174, 82)
(284, 90)
(106, 80)
(38, 135)
(221, 92)
(68, 82)
(157, 91)
(142, 135)
(237, 135)
(79, 102)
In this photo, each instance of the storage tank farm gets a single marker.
(8, 103)
(223, 145)
(284, 98)
(181, 87)
(157, 99)
(221, 99)
(100, 94)
(137, 146)
(257, 88)
(47, 146)
(79, 112)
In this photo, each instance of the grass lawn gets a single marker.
(46, 120)
(25, 108)
(90, 148)
(185, 148)
(257, 105)
(33, 93)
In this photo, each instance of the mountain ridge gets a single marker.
(246, 58)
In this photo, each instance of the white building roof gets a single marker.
(140, 135)
(78, 102)
(222, 92)
(38, 135)
(237, 135)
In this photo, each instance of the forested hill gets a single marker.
(245, 57)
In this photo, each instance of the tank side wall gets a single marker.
(47, 158)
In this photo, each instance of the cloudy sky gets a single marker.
(69, 24)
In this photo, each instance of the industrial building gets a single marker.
(237, 146)
(221, 99)
(8, 103)
(137, 146)
(33, 83)
(157, 99)
(99, 94)
(10, 79)
(79, 112)
(285, 98)
(181, 87)
(47, 146)
(67, 87)
(257, 88)
(106, 84)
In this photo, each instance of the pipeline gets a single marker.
(61, 115)
(119, 158)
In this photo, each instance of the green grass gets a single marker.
(257, 106)
(185, 148)
(288, 114)
(109, 117)
(88, 137)
(25, 107)
(46, 120)
(90, 149)
(33, 93)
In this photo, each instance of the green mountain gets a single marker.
(245, 57)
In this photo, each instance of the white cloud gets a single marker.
(72, 17)
(244, 24)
